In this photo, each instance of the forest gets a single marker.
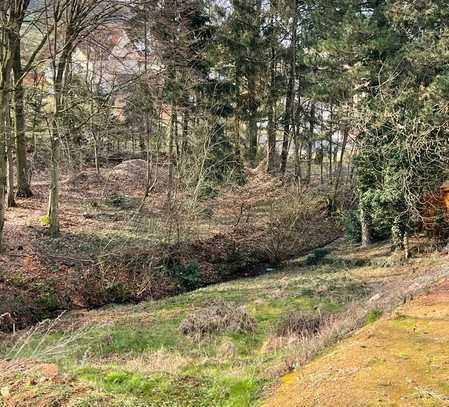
(229, 203)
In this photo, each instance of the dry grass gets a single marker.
(329, 330)
(218, 317)
(162, 360)
(301, 324)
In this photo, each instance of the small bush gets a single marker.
(374, 315)
(351, 223)
(188, 275)
(316, 257)
(300, 324)
(44, 220)
(218, 317)
(122, 202)
(49, 302)
(350, 220)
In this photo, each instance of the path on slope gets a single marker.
(399, 361)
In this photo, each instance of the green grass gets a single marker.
(125, 337)
(136, 355)
(374, 315)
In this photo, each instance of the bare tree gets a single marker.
(6, 24)
(70, 21)
(19, 72)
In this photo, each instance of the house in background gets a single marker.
(109, 61)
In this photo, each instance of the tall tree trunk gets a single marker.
(10, 201)
(330, 141)
(171, 140)
(59, 72)
(366, 227)
(271, 148)
(340, 163)
(321, 163)
(252, 124)
(252, 74)
(53, 201)
(406, 245)
(237, 149)
(3, 112)
(310, 143)
(286, 138)
(299, 141)
(185, 132)
(290, 98)
(97, 162)
(23, 186)
(298, 147)
(176, 140)
(149, 160)
(5, 75)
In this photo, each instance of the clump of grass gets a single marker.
(121, 202)
(44, 220)
(393, 260)
(316, 257)
(300, 324)
(374, 315)
(218, 317)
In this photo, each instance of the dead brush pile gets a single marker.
(218, 317)
(88, 184)
(292, 220)
(85, 178)
(248, 203)
(132, 175)
(301, 324)
(298, 223)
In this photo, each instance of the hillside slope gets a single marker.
(224, 345)
(399, 361)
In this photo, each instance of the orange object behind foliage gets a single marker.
(435, 205)
(445, 194)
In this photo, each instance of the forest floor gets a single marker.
(228, 344)
(111, 252)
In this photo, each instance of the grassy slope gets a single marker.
(400, 361)
(136, 356)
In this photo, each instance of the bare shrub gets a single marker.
(218, 317)
(86, 179)
(300, 324)
(297, 223)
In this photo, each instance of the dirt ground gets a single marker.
(401, 360)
